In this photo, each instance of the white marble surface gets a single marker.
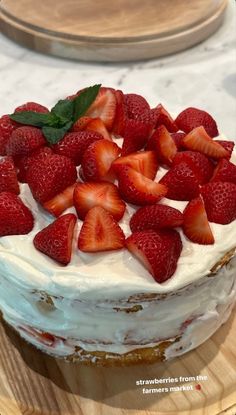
(204, 77)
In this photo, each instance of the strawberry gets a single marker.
(228, 145)
(80, 124)
(104, 107)
(145, 162)
(198, 162)
(199, 140)
(23, 163)
(61, 201)
(120, 114)
(138, 189)
(15, 217)
(135, 105)
(163, 117)
(177, 137)
(181, 182)
(191, 118)
(56, 239)
(220, 201)
(97, 125)
(136, 134)
(49, 177)
(24, 141)
(7, 126)
(32, 106)
(164, 145)
(157, 251)
(196, 226)
(100, 232)
(225, 171)
(73, 145)
(155, 217)
(97, 160)
(106, 195)
(8, 176)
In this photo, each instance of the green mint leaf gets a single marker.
(84, 101)
(64, 109)
(31, 118)
(53, 134)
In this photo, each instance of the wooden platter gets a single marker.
(105, 30)
(33, 383)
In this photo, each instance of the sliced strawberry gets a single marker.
(32, 106)
(80, 124)
(162, 142)
(220, 201)
(106, 195)
(59, 203)
(24, 163)
(24, 141)
(196, 226)
(225, 171)
(199, 163)
(145, 162)
(104, 107)
(136, 134)
(7, 126)
(100, 232)
(199, 140)
(56, 239)
(49, 177)
(74, 145)
(120, 115)
(155, 217)
(135, 105)
(181, 182)
(178, 137)
(97, 125)
(191, 118)
(15, 217)
(157, 251)
(138, 189)
(8, 176)
(165, 118)
(97, 160)
(228, 145)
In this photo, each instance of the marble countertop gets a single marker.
(203, 76)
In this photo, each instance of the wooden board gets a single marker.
(33, 383)
(105, 30)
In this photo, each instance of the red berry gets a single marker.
(228, 146)
(15, 217)
(120, 114)
(164, 118)
(199, 140)
(135, 105)
(196, 226)
(155, 217)
(24, 141)
(8, 176)
(145, 162)
(136, 134)
(158, 251)
(62, 201)
(220, 201)
(56, 239)
(32, 106)
(97, 125)
(104, 107)
(225, 171)
(7, 126)
(199, 163)
(178, 137)
(162, 142)
(191, 118)
(24, 163)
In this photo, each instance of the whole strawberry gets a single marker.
(8, 177)
(49, 177)
(7, 126)
(220, 201)
(32, 106)
(15, 217)
(24, 141)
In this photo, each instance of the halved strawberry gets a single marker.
(138, 189)
(7, 126)
(100, 232)
(196, 226)
(145, 162)
(225, 171)
(24, 163)
(62, 201)
(135, 105)
(56, 239)
(155, 217)
(181, 182)
(32, 106)
(97, 125)
(74, 145)
(97, 160)
(136, 134)
(15, 217)
(199, 163)
(24, 141)
(228, 145)
(120, 115)
(106, 195)
(104, 107)
(157, 251)
(162, 142)
(191, 118)
(8, 176)
(80, 124)
(164, 118)
(199, 140)
(220, 201)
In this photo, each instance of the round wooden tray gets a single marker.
(110, 31)
(33, 383)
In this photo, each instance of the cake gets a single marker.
(117, 228)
